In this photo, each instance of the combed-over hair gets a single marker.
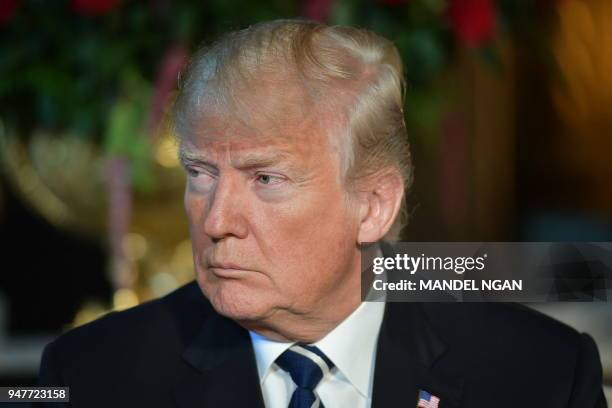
(352, 72)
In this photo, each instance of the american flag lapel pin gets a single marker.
(427, 400)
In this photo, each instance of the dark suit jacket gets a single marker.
(178, 352)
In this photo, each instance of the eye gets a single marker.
(196, 172)
(199, 180)
(192, 172)
(268, 179)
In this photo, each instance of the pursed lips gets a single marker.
(228, 270)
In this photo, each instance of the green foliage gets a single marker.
(72, 72)
(125, 134)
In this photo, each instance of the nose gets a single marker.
(225, 210)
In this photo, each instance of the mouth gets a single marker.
(229, 273)
(229, 270)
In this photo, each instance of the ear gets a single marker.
(380, 202)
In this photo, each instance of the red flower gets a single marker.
(317, 9)
(392, 3)
(94, 7)
(473, 21)
(7, 9)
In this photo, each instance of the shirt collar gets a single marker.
(351, 346)
(266, 352)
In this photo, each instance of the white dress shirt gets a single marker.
(352, 348)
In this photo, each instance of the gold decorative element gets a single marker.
(59, 178)
(583, 50)
(90, 311)
(165, 152)
(124, 299)
(135, 246)
(62, 177)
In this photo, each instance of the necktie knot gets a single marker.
(306, 365)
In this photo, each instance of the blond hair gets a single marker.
(349, 70)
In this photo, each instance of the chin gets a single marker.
(237, 302)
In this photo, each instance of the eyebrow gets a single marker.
(186, 156)
(257, 160)
(246, 162)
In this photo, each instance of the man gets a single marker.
(293, 140)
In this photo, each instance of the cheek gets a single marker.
(311, 235)
(195, 208)
(323, 216)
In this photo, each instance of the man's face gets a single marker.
(272, 229)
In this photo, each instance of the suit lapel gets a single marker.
(218, 368)
(407, 349)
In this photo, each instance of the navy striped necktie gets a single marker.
(306, 365)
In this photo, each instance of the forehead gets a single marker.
(256, 142)
(265, 113)
(243, 152)
(263, 123)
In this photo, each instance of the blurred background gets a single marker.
(509, 109)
